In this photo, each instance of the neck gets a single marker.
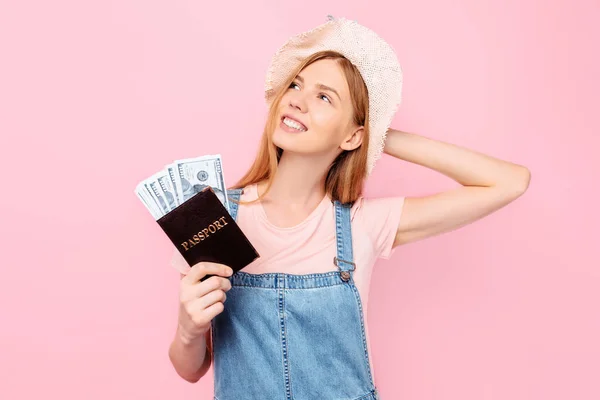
(299, 181)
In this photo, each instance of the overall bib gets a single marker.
(294, 337)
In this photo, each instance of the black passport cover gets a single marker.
(203, 230)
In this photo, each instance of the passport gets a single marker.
(203, 230)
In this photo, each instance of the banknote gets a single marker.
(140, 191)
(179, 181)
(157, 194)
(194, 174)
(171, 170)
(167, 190)
(149, 201)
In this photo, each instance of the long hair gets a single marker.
(345, 178)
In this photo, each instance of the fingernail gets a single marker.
(229, 271)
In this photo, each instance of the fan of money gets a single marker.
(179, 181)
(188, 201)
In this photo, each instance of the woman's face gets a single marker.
(324, 112)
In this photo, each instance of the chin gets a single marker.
(295, 143)
(285, 145)
(284, 140)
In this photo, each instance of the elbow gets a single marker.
(522, 180)
(518, 182)
(194, 379)
(515, 183)
(191, 376)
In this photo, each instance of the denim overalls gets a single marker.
(294, 337)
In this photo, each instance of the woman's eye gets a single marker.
(320, 94)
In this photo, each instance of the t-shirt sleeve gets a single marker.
(380, 217)
(179, 263)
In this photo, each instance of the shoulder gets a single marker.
(379, 218)
(377, 207)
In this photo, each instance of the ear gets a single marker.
(354, 139)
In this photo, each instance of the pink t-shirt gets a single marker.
(310, 246)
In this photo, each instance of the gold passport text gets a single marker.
(204, 233)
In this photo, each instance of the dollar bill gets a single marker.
(172, 171)
(167, 190)
(146, 198)
(195, 174)
(143, 200)
(154, 187)
(179, 181)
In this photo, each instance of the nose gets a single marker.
(297, 101)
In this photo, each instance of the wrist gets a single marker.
(188, 340)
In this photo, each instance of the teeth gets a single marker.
(293, 124)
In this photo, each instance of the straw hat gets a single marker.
(374, 58)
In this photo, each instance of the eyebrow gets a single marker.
(322, 87)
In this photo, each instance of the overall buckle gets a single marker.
(345, 275)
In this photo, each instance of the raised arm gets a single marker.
(488, 184)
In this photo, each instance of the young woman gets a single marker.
(291, 325)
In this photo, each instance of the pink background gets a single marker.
(97, 95)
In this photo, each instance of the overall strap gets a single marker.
(343, 233)
(234, 194)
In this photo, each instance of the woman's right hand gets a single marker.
(201, 301)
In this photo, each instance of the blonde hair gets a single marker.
(346, 175)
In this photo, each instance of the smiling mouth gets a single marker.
(291, 124)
